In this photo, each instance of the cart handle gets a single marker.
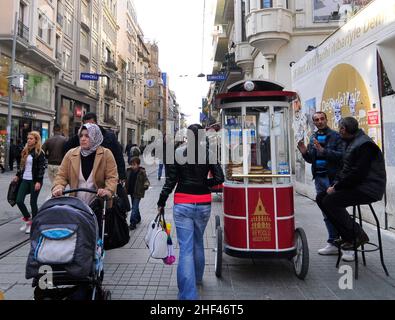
(261, 175)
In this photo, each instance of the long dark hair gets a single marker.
(195, 129)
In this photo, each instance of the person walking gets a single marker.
(362, 180)
(191, 211)
(136, 184)
(109, 141)
(325, 153)
(127, 150)
(18, 153)
(89, 166)
(53, 150)
(32, 174)
(13, 151)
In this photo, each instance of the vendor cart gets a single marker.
(258, 218)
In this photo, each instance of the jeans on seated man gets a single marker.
(362, 180)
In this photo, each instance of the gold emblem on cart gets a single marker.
(261, 223)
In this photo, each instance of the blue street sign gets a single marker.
(216, 77)
(89, 76)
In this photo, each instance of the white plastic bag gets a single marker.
(156, 238)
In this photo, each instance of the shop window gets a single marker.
(385, 84)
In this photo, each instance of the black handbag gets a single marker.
(123, 198)
(116, 229)
(13, 192)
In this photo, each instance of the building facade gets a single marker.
(34, 70)
(76, 52)
(352, 73)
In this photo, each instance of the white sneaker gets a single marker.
(330, 249)
(348, 256)
(23, 226)
(28, 227)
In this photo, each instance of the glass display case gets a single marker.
(256, 148)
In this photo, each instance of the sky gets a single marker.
(177, 27)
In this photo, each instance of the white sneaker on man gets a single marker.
(348, 255)
(28, 227)
(330, 249)
(23, 226)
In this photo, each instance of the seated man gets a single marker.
(362, 180)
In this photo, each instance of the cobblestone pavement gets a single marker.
(131, 274)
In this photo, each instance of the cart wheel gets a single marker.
(301, 259)
(218, 253)
(217, 221)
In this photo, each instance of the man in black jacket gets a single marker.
(362, 180)
(109, 141)
(325, 153)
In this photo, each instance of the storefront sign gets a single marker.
(373, 117)
(29, 114)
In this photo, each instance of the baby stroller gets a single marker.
(66, 252)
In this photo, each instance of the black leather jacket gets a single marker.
(190, 178)
(38, 167)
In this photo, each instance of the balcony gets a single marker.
(243, 57)
(85, 22)
(110, 93)
(111, 65)
(110, 120)
(23, 31)
(269, 29)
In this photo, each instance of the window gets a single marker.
(68, 23)
(22, 9)
(243, 18)
(385, 84)
(67, 60)
(106, 112)
(84, 41)
(95, 23)
(94, 48)
(267, 4)
(58, 48)
(59, 17)
(45, 27)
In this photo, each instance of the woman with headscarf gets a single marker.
(192, 208)
(32, 175)
(88, 166)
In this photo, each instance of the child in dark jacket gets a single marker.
(136, 184)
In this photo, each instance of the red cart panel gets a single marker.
(235, 201)
(261, 218)
(286, 230)
(235, 232)
(285, 202)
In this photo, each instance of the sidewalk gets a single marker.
(131, 274)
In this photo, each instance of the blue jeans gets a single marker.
(160, 168)
(321, 185)
(135, 216)
(191, 221)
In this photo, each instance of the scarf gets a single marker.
(95, 138)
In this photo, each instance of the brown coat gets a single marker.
(104, 170)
